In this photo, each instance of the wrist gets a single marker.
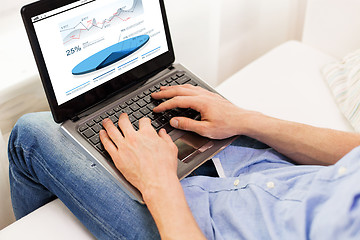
(249, 123)
(169, 209)
(155, 192)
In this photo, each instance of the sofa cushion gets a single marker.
(287, 83)
(343, 78)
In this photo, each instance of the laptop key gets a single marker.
(162, 120)
(95, 139)
(148, 99)
(113, 118)
(96, 128)
(132, 118)
(110, 112)
(123, 105)
(141, 103)
(135, 99)
(180, 74)
(97, 119)
(147, 92)
(151, 106)
(138, 115)
(104, 115)
(134, 107)
(145, 111)
(136, 125)
(164, 83)
(117, 109)
(127, 110)
(183, 80)
(90, 123)
(117, 115)
(192, 83)
(151, 115)
(169, 115)
(83, 127)
(156, 124)
(88, 133)
(100, 147)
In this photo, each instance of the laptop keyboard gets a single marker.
(139, 106)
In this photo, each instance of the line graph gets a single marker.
(87, 24)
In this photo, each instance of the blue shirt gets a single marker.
(265, 197)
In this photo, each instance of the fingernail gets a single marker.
(174, 123)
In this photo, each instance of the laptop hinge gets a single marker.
(75, 118)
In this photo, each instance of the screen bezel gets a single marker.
(75, 106)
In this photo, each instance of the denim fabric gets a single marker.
(263, 196)
(45, 165)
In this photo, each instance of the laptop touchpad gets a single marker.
(190, 145)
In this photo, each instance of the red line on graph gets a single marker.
(90, 23)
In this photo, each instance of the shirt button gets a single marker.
(270, 184)
(342, 170)
(237, 181)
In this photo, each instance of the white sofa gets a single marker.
(286, 83)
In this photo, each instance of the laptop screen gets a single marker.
(87, 43)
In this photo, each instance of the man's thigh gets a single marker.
(50, 160)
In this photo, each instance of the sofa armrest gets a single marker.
(287, 83)
(52, 221)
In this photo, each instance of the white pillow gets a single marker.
(343, 79)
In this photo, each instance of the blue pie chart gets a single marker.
(110, 55)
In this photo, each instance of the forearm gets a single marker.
(171, 213)
(302, 143)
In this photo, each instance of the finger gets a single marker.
(108, 144)
(172, 91)
(112, 131)
(125, 125)
(193, 102)
(188, 124)
(163, 134)
(145, 123)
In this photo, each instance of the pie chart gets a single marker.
(110, 55)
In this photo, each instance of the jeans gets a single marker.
(45, 165)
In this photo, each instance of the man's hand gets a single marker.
(138, 154)
(219, 118)
(148, 160)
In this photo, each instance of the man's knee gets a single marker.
(30, 125)
(33, 121)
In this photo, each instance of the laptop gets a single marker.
(100, 58)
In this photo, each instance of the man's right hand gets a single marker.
(219, 118)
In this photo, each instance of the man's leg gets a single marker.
(45, 165)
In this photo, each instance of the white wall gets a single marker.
(195, 27)
(217, 38)
(327, 29)
(11, 6)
